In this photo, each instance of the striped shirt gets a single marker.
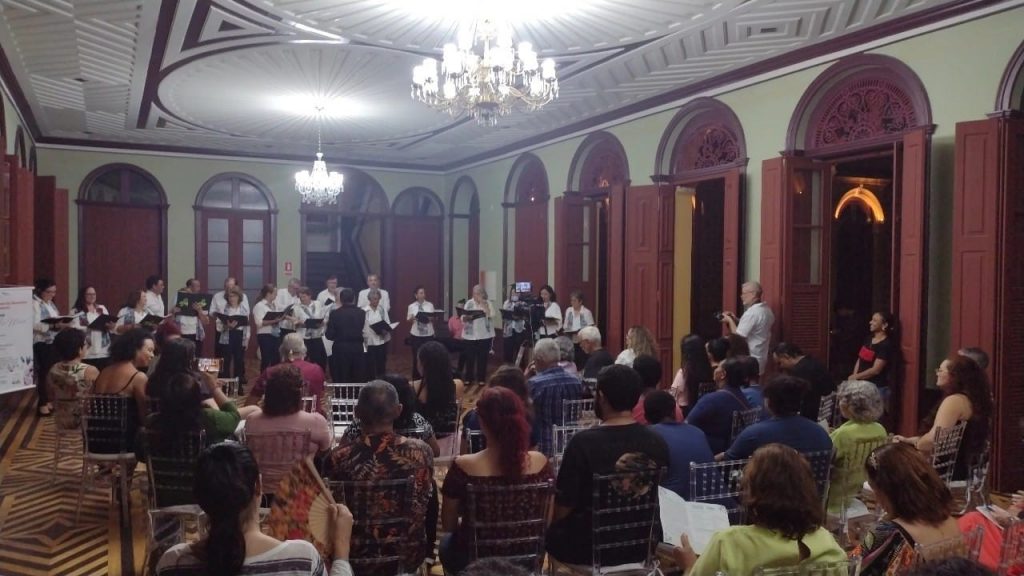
(289, 558)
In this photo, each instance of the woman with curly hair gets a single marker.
(785, 518)
(966, 396)
(506, 461)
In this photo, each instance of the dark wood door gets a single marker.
(120, 246)
(707, 259)
(418, 243)
(572, 247)
(732, 239)
(640, 284)
(233, 243)
(531, 240)
(5, 224)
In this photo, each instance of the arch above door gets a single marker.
(1010, 96)
(704, 136)
(599, 163)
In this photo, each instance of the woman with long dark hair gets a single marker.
(966, 397)
(228, 489)
(551, 325)
(130, 356)
(696, 370)
(438, 390)
(876, 357)
(88, 311)
(785, 521)
(177, 356)
(506, 461)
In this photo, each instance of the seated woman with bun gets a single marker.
(228, 489)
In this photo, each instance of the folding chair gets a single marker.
(719, 483)
(946, 450)
(578, 412)
(743, 418)
(475, 440)
(342, 399)
(848, 472)
(975, 487)
(625, 510)
(232, 388)
(494, 533)
(380, 533)
(105, 447)
(173, 514)
(277, 453)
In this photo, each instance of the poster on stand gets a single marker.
(16, 368)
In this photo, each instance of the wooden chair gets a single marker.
(495, 534)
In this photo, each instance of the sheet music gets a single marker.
(698, 520)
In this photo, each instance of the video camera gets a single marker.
(526, 304)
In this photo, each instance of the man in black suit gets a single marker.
(345, 329)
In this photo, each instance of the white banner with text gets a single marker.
(16, 367)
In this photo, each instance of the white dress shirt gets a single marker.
(259, 311)
(285, 299)
(371, 338)
(222, 328)
(576, 321)
(756, 326)
(314, 311)
(155, 304)
(220, 304)
(364, 299)
(481, 328)
(554, 312)
(419, 328)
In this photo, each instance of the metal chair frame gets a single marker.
(741, 419)
(946, 449)
(578, 412)
(821, 468)
(277, 449)
(342, 399)
(232, 388)
(491, 538)
(104, 422)
(474, 440)
(560, 436)
(975, 487)
(719, 483)
(362, 497)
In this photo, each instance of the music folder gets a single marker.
(313, 323)
(153, 319)
(240, 320)
(186, 301)
(276, 315)
(427, 317)
(101, 321)
(570, 333)
(473, 314)
(58, 320)
(381, 327)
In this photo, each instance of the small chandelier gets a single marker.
(485, 76)
(319, 187)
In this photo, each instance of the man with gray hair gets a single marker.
(568, 353)
(755, 325)
(286, 298)
(293, 352)
(551, 386)
(597, 356)
(373, 283)
(380, 454)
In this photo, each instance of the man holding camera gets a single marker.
(755, 324)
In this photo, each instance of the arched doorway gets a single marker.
(865, 121)
(122, 231)
(598, 171)
(463, 240)
(702, 155)
(236, 233)
(417, 224)
(346, 239)
(987, 276)
(526, 202)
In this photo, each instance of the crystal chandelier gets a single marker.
(319, 187)
(485, 76)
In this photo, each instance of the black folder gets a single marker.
(426, 317)
(240, 319)
(58, 320)
(186, 300)
(382, 327)
(153, 320)
(276, 315)
(101, 321)
(313, 323)
(473, 314)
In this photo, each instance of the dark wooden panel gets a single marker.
(22, 225)
(418, 261)
(5, 221)
(912, 270)
(119, 247)
(773, 226)
(641, 264)
(731, 239)
(531, 251)
(616, 268)
(51, 237)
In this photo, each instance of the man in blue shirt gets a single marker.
(549, 388)
(783, 397)
(686, 443)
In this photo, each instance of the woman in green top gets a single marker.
(861, 405)
(785, 517)
(182, 410)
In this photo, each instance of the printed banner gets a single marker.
(16, 367)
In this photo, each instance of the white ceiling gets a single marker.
(221, 76)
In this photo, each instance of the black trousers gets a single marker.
(44, 357)
(315, 352)
(232, 356)
(510, 346)
(347, 363)
(476, 352)
(269, 353)
(376, 361)
(415, 342)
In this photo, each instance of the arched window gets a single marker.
(418, 246)
(236, 233)
(463, 240)
(122, 231)
(346, 239)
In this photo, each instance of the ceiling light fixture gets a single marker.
(319, 187)
(484, 76)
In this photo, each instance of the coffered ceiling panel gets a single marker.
(239, 77)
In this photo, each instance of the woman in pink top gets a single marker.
(282, 414)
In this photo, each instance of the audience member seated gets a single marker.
(293, 353)
(549, 388)
(785, 519)
(130, 354)
(506, 462)
(752, 390)
(861, 406)
(510, 377)
(567, 355)
(380, 454)
(437, 391)
(966, 396)
(619, 444)
(738, 346)
(686, 443)
(639, 342)
(783, 396)
(282, 413)
(713, 412)
(794, 362)
(918, 508)
(178, 356)
(164, 333)
(409, 423)
(717, 350)
(182, 410)
(951, 567)
(597, 356)
(992, 535)
(228, 489)
(494, 567)
(70, 377)
(649, 369)
(696, 370)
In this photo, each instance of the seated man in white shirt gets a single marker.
(755, 325)
(373, 283)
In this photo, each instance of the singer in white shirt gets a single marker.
(477, 336)
(419, 332)
(552, 323)
(309, 309)
(577, 317)
(286, 298)
(376, 344)
(373, 283)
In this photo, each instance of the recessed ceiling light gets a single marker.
(312, 105)
(512, 12)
